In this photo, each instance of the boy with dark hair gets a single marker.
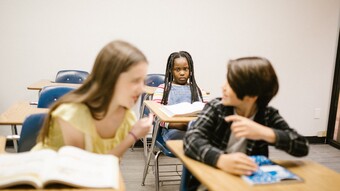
(241, 123)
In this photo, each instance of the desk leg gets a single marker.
(147, 162)
(145, 146)
(15, 141)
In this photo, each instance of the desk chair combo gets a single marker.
(29, 132)
(153, 80)
(157, 148)
(47, 96)
(71, 76)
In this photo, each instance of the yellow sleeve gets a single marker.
(76, 114)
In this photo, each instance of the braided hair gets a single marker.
(196, 93)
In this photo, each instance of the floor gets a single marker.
(132, 165)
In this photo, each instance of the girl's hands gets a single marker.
(244, 127)
(143, 126)
(236, 163)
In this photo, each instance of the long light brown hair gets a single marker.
(97, 90)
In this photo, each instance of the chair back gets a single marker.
(50, 94)
(71, 76)
(29, 131)
(153, 80)
(160, 143)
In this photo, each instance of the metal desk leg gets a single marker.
(15, 141)
(147, 162)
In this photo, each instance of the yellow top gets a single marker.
(79, 116)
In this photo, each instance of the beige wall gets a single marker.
(39, 37)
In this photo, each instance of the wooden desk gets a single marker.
(159, 116)
(16, 115)
(42, 83)
(316, 177)
(121, 181)
(155, 108)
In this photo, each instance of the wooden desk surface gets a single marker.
(149, 89)
(42, 83)
(17, 113)
(154, 107)
(316, 177)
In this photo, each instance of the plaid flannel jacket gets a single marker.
(208, 137)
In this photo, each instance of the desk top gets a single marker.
(316, 177)
(17, 113)
(42, 83)
(149, 89)
(154, 107)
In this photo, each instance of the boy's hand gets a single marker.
(244, 127)
(143, 126)
(236, 163)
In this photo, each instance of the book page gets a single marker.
(183, 109)
(23, 168)
(270, 173)
(79, 168)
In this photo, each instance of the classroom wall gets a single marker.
(39, 37)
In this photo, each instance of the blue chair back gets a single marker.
(71, 76)
(160, 143)
(153, 80)
(50, 94)
(29, 131)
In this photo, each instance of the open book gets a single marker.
(69, 166)
(270, 173)
(183, 109)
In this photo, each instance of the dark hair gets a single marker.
(97, 90)
(196, 93)
(253, 76)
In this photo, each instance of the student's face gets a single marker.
(130, 85)
(229, 97)
(180, 71)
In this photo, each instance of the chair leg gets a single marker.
(15, 141)
(157, 170)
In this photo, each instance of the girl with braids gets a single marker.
(97, 116)
(179, 86)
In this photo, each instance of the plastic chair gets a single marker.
(153, 80)
(29, 131)
(71, 76)
(50, 94)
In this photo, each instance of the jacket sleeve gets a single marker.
(197, 140)
(287, 139)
